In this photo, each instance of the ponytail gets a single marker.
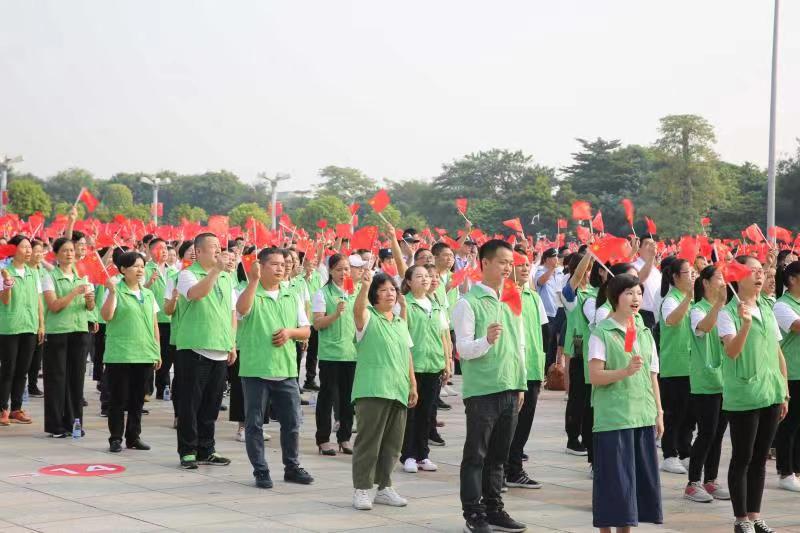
(782, 275)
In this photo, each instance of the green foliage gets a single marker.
(62, 208)
(140, 211)
(190, 213)
(350, 184)
(238, 215)
(26, 197)
(116, 197)
(65, 186)
(328, 207)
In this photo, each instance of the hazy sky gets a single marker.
(392, 88)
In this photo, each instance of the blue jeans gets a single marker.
(285, 398)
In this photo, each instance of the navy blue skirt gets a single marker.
(627, 487)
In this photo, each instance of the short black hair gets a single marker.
(154, 241)
(264, 254)
(17, 239)
(200, 238)
(706, 274)
(652, 236)
(490, 247)
(620, 284)
(419, 252)
(439, 247)
(58, 243)
(782, 275)
(147, 238)
(378, 280)
(185, 245)
(127, 260)
(77, 235)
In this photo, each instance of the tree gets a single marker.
(787, 183)
(238, 215)
(62, 208)
(190, 213)
(26, 197)
(347, 183)
(328, 207)
(65, 186)
(116, 197)
(747, 195)
(214, 192)
(138, 211)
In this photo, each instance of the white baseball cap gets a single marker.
(356, 261)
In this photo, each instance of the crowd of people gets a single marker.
(657, 351)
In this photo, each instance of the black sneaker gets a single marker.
(297, 475)
(115, 446)
(761, 527)
(138, 444)
(35, 393)
(310, 385)
(522, 481)
(436, 440)
(189, 462)
(223, 407)
(576, 448)
(500, 521)
(745, 526)
(263, 481)
(476, 523)
(304, 402)
(524, 457)
(103, 413)
(214, 460)
(85, 403)
(440, 405)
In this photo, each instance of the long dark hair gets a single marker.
(699, 289)
(334, 260)
(783, 274)
(617, 270)
(405, 286)
(667, 273)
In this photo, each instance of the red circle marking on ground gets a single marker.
(81, 470)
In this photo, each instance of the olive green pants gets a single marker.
(381, 428)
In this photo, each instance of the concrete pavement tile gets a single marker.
(99, 524)
(135, 501)
(54, 511)
(336, 520)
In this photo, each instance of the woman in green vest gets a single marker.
(383, 390)
(333, 318)
(623, 369)
(21, 329)
(677, 293)
(754, 392)
(69, 299)
(705, 378)
(156, 273)
(132, 350)
(35, 263)
(787, 439)
(313, 282)
(430, 334)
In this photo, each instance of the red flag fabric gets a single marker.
(440, 231)
(733, 271)
(7, 250)
(218, 225)
(651, 226)
(581, 210)
(322, 223)
(262, 237)
(88, 199)
(461, 205)
(688, 248)
(512, 240)
(779, 233)
(583, 233)
(705, 221)
(286, 220)
(364, 238)
(609, 248)
(562, 223)
(247, 262)
(511, 296)
(343, 231)
(753, 233)
(597, 222)
(348, 285)
(630, 334)
(278, 209)
(353, 208)
(390, 269)
(514, 224)
(379, 201)
(520, 259)
(91, 267)
(4, 198)
(627, 205)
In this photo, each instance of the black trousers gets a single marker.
(99, 341)
(577, 424)
(707, 447)
(522, 433)
(554, 324)
(201, 382)
(335, 385)
(751, 436)
(311, 357)
(35, 367)
(678, 419)
(16, 352)
(167, 360)
(418, 418)
(126, 383)
(491, 421)
(787, 439)
(64, 370)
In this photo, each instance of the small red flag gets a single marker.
(440, 231)
(581, 210)
(688, 248)
(597, 222)
(461, 205)
(379, 201)
(514, 224)
(562, 223)
(520, 259)
(609, 248)
(651, 226)
(343, 231)
(511, 296)
(390, 269)
(247, 262)
(348, 285)
(779, 233)
(630, 334)
(583, 233)
(353, 208)
(91, 267)
(218, 225)
(733, 271)
(364, 238)
(88, 199)
(753, 233)
(705, 221)
(7, 250)
(627, 205)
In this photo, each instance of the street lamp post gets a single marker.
(155, 182)
(273, 193)
(772, 109)
(5, 166)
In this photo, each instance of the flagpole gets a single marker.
(78, 199)
(772, 122)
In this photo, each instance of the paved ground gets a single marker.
(154, 495)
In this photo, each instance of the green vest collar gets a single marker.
(283, 291)
(57, 273)
(123, 288)
(609, 324)
(479, 290)
(26, 271)
(381, 316)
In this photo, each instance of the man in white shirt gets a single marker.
(548, 281)
(651, 279)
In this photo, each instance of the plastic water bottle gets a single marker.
(167, 396)
(76, 429)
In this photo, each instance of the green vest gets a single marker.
(337, 341)
(791, 340)
(532, 329)
(130, 335)
(159, 287)
(753, 380)
(426, 334)
(382, 363)
(313, 282)
(21, 315)
(676, 342)
(99, 293)
(258, 358)
(206, 324)
(705, 369)
(628, 403)
(74, 317)
(175, 318)
(502, 368)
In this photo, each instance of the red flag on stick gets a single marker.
(597, 222)
(627, 205)
(609, 248)
(733, 271)
(379, 201)
(753, 233)
(514, 224)
(705, 221)
(461, 205)
(322, 223)
(88, 199)
(343, 231)
(651, 226)
(7, 250)
(511, 296)
(364, 238)
(581, 210)
(247, 262)
(583, 233)
(630, 334)
(562, 223)
(218, 225)
(348, 285)
(779, 233)
(353, 208)
(91, 267)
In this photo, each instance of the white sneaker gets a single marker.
(388, 496)
(427, 465)
(410, 466)
(790, 483)
(361, 500)
(240, 435)
(450, 390)
(673, 465)
(266, 435)
(685, 462)
(443, 392)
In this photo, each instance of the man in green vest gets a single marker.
(491, 346)
(268, 370)
(156, 273)
(205, 344)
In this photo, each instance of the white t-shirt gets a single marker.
(187, 280)
(652, 287)
(21, 273)
(361, 332)
(695, 317)
(597, 350)
(46, 282)
(318, 300)
(601, 314)
(785, 316)
(668, 305)
(726, 326)
(137, 293)
(590, 309)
